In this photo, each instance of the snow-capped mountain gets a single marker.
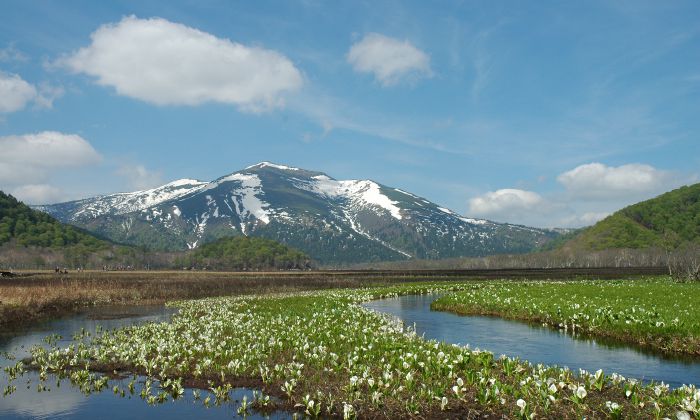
(332, 220)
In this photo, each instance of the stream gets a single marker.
(537, 344)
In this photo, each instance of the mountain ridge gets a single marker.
(665, 221)
(334, 221)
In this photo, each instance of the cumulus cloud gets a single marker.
(140, 178)
(47, 149)
(591, 192)
(16, 93)
(28, 161)
(505, 204)
(37, 193)
(167, 63)
(599, 181)
(390, 60)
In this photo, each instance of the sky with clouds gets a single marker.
(539, 113)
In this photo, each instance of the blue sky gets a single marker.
(541, 113)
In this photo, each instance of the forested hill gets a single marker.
(668, 221)
(28, 227)
(245, 253)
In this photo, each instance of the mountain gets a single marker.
(668, 221)
(333, 221)
(28, 227)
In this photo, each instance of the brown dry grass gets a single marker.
(39, 295)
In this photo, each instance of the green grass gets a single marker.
(655, 313)
(325, 355)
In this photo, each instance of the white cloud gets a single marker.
(28, 161)
(47, 149)
(591, 192)
(140, 178)
(505, 204)
(10, 53)
(389, 59)
(599, 181)
(579, 220)
(15, 93)
(167, 63)
(37, 193)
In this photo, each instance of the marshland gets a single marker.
(335, 353)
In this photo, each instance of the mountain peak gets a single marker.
(266, 164)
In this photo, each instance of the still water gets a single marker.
(536, 344)
(67, 402)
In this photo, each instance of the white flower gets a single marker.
(581, 392)
(521, 403)
(682, 415)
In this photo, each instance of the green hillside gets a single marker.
(27, 227)
(668, 220)
(245, 253)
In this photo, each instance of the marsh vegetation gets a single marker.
(323, 354)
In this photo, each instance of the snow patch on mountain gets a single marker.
(123, 203)
(245, 199)
(356, 228)
(273, 165)
(474, 221)
(358, 193)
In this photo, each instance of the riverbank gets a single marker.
(655, 313)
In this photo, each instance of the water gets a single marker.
(536, 344)
(68, 402)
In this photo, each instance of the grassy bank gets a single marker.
(654, 313)
(323, 354)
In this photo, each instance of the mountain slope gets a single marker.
(28, 227)
(668, 220)
(334, 221)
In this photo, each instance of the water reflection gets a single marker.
(535, 344)
(66, 401)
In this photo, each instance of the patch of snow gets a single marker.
(448, 211)
(123, 203)
(250, 203)
(474, 221)
(357, 192)
(273, 165)
(406, 192)
(177, 211)
(357, 229)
